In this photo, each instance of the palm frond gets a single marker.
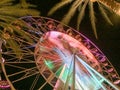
(8, 14)
(92, 18)
(21, 33)
(9, 33)
(81, 14)
(104, 14)
(11, 44)
(79, 8)
(15, 47)
(17, 12)
(20, 9)
(2, 25)
(5, 2)
(71, 12)
(25, 4)
(59, 5)
(6, 19)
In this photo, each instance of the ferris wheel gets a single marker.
(55, 57)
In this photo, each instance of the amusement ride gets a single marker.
(55, 56)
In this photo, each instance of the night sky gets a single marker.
(109, 35)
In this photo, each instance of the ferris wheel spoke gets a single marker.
(16, 63)
(21, 41)
(22, 62)
(23, 52)
(97, 77)
(27, 59)
(11, 59)
(25, 73)
(35, 81)
(25, 70)
(15, 66)
(47, 80)
(27, 52)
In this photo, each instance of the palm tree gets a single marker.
(80, 5)
(10, 10)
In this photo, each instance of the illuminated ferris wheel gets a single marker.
(55, 57)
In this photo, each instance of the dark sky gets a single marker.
(109, 35)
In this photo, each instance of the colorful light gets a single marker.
(4, 84)
(67, 51)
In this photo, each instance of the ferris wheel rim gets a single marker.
(86, 39)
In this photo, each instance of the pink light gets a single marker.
(74, 46)
(4, 84)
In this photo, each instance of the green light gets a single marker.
(63, 74)
(59, 71)
(49, 64)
